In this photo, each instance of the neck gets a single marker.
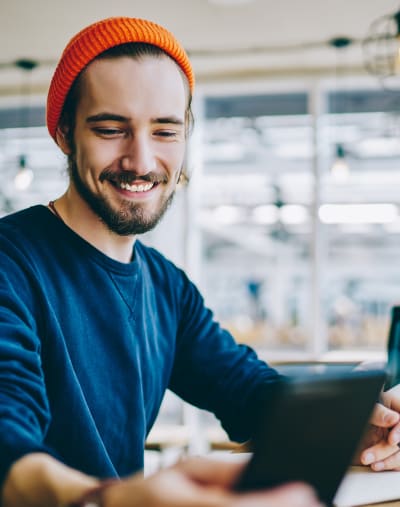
(77, 215)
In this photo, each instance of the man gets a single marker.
(94, 326)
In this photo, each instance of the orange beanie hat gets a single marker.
(97, 38)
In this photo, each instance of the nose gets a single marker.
(138, 156)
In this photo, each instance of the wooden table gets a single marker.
(387, 504)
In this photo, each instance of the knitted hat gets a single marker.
(97, 38)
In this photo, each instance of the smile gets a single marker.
(144, 187)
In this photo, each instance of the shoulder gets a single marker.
(17, 225)
(23, 221)
(24, 233)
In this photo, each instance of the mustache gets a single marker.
(129, 177)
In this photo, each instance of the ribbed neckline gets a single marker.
(92, 252)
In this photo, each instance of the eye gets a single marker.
(108, 131)
(167, 133)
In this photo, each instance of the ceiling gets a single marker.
(226, 38)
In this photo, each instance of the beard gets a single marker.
(129, 219)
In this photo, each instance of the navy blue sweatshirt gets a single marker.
(88, 346)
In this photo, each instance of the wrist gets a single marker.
(94, 497)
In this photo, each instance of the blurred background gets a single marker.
(290, 225)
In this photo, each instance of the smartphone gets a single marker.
(309, 430)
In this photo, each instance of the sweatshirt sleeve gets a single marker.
(215, 373)
(24, 410)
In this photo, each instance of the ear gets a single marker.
(61, 139)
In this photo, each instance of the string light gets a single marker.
(340, 169)
(24, 175)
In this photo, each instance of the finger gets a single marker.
(378, 452)
(391, 398)
(289, 495)
(393, 437)
(390, 463)
(383, 416)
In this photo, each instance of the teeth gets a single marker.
(136, 188)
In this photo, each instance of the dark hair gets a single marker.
(134, 50)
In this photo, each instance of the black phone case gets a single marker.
(309, 430)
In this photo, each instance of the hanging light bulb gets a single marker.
(340, 167)
(24, 177)
(340, 170)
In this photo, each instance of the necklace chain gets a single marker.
(54, 210)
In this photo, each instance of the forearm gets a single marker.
(38, 480)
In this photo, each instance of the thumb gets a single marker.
(384, 417)
(391, 398)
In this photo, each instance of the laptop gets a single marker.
(309, 430)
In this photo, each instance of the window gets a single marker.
(296, 259)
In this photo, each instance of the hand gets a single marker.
(198, 482)
(380, 444)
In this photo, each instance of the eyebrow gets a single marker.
(169, 119)
(123, 119)
(106, 117)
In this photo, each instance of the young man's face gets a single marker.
(129, 140)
